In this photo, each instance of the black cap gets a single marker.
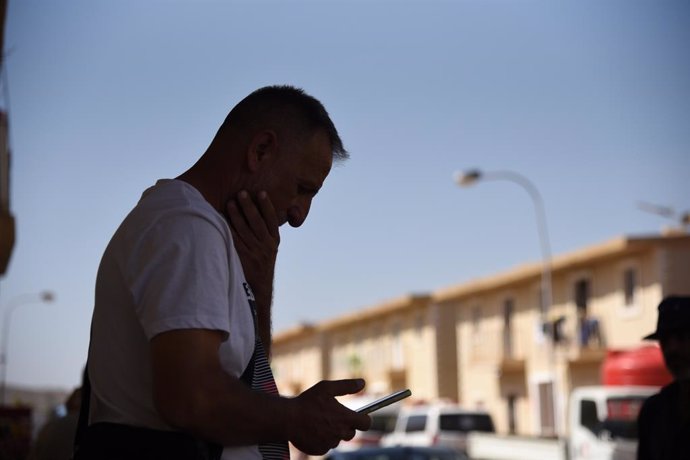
(674, 315)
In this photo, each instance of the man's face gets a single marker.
(675, 346)
(296, 176)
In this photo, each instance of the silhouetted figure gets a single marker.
(56, 438)
(664, 420)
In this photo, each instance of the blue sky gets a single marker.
(588, 99)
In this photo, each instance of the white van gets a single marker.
(603, 421)
(602, 424)
(437, 425)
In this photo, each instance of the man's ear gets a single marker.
(263, 146)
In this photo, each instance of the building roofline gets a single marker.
(595, 253)
(615, 247)
(299, 331)
(405, 302)
(395, 305)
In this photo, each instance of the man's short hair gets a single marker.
(288, 109)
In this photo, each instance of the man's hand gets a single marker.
(320, 422)
(254, 227)
(255, 233)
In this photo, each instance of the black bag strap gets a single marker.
(206, 450)
(114, 441)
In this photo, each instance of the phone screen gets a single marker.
(385, 401)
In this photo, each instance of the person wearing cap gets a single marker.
(664, 420)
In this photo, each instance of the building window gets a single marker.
(476, 321)
(508, 310)
(512, 414)
(547, 413)
(398, 357)
(629, 285)
(419, 325)
(582, 291)
(588, 330)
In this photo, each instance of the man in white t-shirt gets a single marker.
(181, 328)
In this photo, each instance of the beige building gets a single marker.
(406, 342)
(487, 343)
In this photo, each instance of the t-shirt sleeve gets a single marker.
(180, 275)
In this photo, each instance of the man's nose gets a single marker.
(297, 213)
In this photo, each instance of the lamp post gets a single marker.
(683, 219)
(470, 177)
(14, 304)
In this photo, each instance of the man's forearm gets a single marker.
(313, 421)
(194, 394)
(242, 417)
(222, 409)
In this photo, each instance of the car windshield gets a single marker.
(383, 423)
(466, 422)
(621, 421)
(620, 428)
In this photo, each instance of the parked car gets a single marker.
(437, 425)
(398, 453)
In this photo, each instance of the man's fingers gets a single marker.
(269, 214)
(348, 434)
(343, 387)
(362, 422)
(238, 224)
(255, 220)
(237, 241)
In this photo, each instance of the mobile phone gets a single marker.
(385, 401)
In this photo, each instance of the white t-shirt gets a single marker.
(170, 265)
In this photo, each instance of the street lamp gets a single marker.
(14, 304)
(470, 177)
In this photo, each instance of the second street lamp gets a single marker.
(14, 304)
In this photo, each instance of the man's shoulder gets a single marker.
(172, 192)
(170, 198)
(169, 211)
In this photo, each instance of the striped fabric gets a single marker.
(262, 380)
